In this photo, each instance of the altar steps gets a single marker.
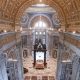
(39, 78)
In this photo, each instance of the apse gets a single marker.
(40, 22)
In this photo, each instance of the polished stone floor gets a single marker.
(49, 71)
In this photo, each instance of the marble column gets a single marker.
(75, 68)
(3, 73)
(20, 64)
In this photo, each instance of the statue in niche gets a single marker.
(54, 54)
(25, 54)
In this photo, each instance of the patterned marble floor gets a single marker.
(49, 71)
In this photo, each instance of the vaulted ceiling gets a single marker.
(68, 10)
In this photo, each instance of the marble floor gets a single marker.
(49, 71)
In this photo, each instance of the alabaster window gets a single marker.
(40, 24)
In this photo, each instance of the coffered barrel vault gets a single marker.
(68, 10)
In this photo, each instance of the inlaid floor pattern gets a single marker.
(48, 73)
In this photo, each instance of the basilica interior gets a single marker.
(39, 39)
